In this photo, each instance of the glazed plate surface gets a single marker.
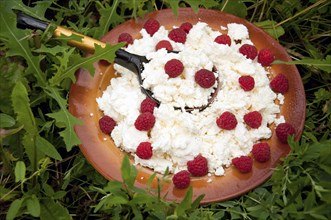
(106, 158)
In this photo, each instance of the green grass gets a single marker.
(44, 175)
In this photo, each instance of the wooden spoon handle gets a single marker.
(86, 44)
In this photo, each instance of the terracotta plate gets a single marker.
(101, 152)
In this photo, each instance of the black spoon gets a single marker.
(133, 62)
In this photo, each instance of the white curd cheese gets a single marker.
(179, 136)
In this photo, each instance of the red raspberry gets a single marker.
(279, 83)
(261, 152)
(253, 119)
(205, 78)
(247, 83)
(181, 179)
(144, 150)
(198, 166)
(107, 124)
(145, 121)
(174, 68)
(223, 39)
(244, 163)
(227, 121)
(283, 130)
(151, 26)
(147, 105)
(125, 37)
(177, 35)
(249, 51)
(164, 44)
(265, 57)
(186, 27)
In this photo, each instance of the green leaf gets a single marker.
(321, 211)
(322, 94)
(254, 209)
(137, 7)
(270, 27)
(47, 148)
(202, 3)
(319, 216)
(115, 187)
(63, 61)
(325, 153)
(228, 204)
(150, 180)
(324, 65)
(59, 194)
(117, 200)
(53, 210)
(236, 213)
(108, 17)
(17, 42)
(33, 206)
(237, 8)
(219, 214)
(38, 10)
(20, 170)
(6, 121)
(49, 191)
(174, 6)
(326, 168)
(66, 118)
(6, 194)
(185, 203)
(142, 198)
(136, 212)
(11, 72)
(133, 176)
(76, 62)
(14, 209)
(110, 200)
(310, 201)
(311, 136)
(128, 171)
(50, 50)
(318, 150)
(196, 202)
(98, 190)
(101, 204)
(18, 47)
(34, 155)
(195, 5)
(21, 105)
(68, 134)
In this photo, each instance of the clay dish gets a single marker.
(102, 153)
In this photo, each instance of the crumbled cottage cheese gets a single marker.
(179, 136)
